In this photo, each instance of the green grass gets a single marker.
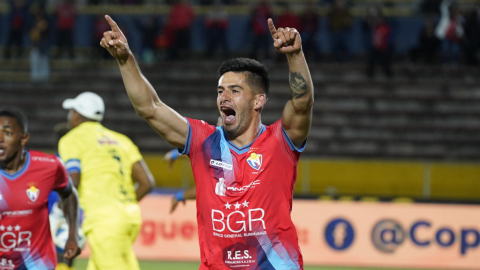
(81, 264)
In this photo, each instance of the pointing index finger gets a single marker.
(112, 23)
(271, 27)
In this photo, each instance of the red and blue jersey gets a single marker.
(25, 239)
(244, 198)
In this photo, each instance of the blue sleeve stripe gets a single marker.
(73, 163)
(291, 144)
(186, 148)
(74, 170)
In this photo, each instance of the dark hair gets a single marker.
(257, 73)
(17, 114)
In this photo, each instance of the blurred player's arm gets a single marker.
(69, 198)
(170, 157)
(297, 114)
(167, 122)
(182, 196)
(143, 178)
(75, 176)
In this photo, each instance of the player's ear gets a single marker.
(260, 100)
(24, 138)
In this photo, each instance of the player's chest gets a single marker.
(24, 193)
(253, 170)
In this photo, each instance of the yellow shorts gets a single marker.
(111, 246)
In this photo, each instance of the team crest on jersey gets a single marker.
(255, 161)
(33, 193)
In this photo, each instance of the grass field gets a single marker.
(81, 264)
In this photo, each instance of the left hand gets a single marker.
(285, 40)
(72, 249)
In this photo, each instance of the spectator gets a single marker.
(180, 22)
(17, 22)
(66, 16)
(450, 31)
(472, 37)
(340, 23)
(288, 19)
(310, 23)
(430, 7)
(216, 25)
(148, 27)
(428, 45)
(379, 44)
(39, 36)
(206, 2)
(100, 26)
(261, 35)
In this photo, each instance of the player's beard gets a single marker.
(242, 122)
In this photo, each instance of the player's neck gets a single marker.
(15, 163)
(249, 135)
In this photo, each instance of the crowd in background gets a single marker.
(451, 35)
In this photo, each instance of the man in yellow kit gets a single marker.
(104, 165)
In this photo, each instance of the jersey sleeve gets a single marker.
(133, 152)
(198, 131)
(282, 136)
(70, 151)
(62, 179)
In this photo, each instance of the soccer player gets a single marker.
(104, 165)
(26, 179)
(244, 171)
(58, 222)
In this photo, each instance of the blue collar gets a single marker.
(17, 174)
(244, 149)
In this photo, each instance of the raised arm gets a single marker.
(297, 114)
(163, 119)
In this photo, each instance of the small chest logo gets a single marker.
(255, 161)
(33, 193)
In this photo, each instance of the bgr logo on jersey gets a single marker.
(13, 239)
(237, 221)
(33, 193)
(255, 161)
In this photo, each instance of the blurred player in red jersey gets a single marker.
(244, 171)
(26, 179)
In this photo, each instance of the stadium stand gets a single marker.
(422, 114)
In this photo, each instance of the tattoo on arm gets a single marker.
(298, 84)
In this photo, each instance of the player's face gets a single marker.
(12, 139)
(235, 101)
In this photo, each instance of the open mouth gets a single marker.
(2, 151)
(228, 115)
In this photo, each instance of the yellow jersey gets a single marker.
(104, 159)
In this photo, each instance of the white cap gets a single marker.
(88, 104)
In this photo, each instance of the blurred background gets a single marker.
(396, 119)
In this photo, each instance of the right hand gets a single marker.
(115, 41)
